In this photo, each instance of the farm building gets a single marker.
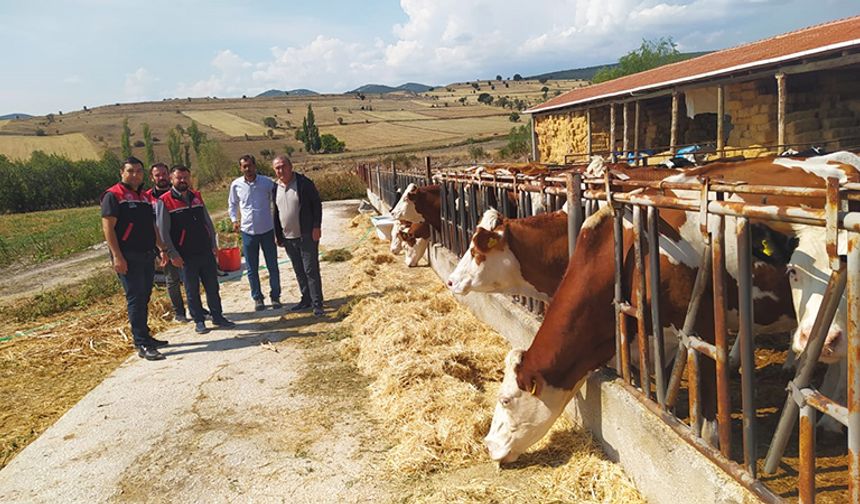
(790, 91)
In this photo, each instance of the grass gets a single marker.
(74, 146)
(80, 295)
(36, 237)
(339, 185)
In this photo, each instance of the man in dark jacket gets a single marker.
(129, 229)
(298, 223)
(189, 239)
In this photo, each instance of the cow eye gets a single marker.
(792, 273)
(505, 400)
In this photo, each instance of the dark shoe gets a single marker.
(318, 312)
(276, 304)
(300, 307)
(259, 305)
(181, 318)
(200, 328)
(149, 353)
(206, 313)
(157, 343)
(222, 322)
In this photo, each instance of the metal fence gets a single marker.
(465, 196)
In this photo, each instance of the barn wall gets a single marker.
(824, 107)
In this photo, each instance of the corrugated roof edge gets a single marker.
(725, 70)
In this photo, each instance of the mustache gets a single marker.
(161, 184)
(181, 186)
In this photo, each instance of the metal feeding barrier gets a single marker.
(466, 194)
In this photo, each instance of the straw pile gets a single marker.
(434, 372)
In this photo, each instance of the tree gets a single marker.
(270, 122)
(519, 142)
(543, 80)
(485, 98)
(310, 132)
(518, 77)
(174, 146)
(147, 143)
(651, 54)
(40, 132)
(476, 152)
(544, 90)
(330, 144)
(514, 117)
(270, 133)
(187, 149)
(197, 137)
(476, 86)
(498, 77)
(125, 139)
(289, 149)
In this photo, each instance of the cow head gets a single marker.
(405, 208)
(809, 272)
(396, 238)
(416, 246)
(488, 265)
(522, 415)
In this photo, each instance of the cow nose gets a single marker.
(450, 283)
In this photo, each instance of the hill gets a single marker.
(587, 73)
(11, 117)
(382, 89)
(293, 92)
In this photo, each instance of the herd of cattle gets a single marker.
(529, 257)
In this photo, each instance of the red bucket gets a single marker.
(229, 259)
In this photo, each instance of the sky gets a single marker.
(64, 55)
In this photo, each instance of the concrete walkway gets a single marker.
(230, 416)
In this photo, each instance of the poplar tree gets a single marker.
(147, 143)
(125, 139)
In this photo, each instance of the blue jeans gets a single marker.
(197, 269)
(251, 245)
(137, 284)
(304, 254)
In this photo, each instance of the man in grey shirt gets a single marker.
(298, 221)
(250, 199)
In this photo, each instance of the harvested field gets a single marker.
(374, 135)
(434, 370)
(395, 115)
(74, 146)
(4, 122)
(229, 124)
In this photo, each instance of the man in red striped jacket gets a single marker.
(189, 239)
(129, 230)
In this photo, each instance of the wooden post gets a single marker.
(780, 111)
(721, 112)
(673, 132)
(427, 168)
(636, 131)
(612, 132)
(625, 146)
(534, 139)
(588, 132)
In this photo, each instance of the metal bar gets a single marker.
(627, 309)
(829, 304)
(654, 286)
(463, 220)
(572, 201)
(636, 131)
(621, 348)
(429, 173)
(702, 346)
(831, 217)
(745, 334)
(694, 393)
(780, 110)
(853, 399)
(823, 404)
(673, 132)
(718, 260)
(806, 476)
(624, 137)
(641, 335)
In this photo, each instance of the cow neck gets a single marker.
(540, 245)
(428, 204)
(578, 331)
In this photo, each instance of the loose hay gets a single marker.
(434, 372)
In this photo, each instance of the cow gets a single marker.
(420, 204)
(396, 245)
(415, 239)
(577, 334)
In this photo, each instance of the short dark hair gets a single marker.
(180, 167)
(248, 158)
(131, 160)
(159, 165)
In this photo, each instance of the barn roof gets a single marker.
(806, 42)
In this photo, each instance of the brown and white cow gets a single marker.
(577, 334)
(420, 204)
(415, 239)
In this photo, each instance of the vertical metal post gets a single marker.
(641, 334)
(694, 392)
(621, 347)
(588, 145)
(473, 209)
(656, 322)
(780, 111)
(625, 145)
(443, 210)
(745, 322)
(673, 132)
(636, 132)
(806, 478)
(718, 261)
(721, 127)
(853, 400)
(463, 220)
(612, 156)
(574, 209)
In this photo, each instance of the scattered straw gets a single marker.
(434, 370)
(337, 255)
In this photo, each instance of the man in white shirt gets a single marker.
(250, 205)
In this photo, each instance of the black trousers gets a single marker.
(197, 269)
(304, 254)
(137, 284)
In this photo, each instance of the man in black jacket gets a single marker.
(298, 223)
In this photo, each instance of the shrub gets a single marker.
(270, 122)
(340, 185)
(330, 144)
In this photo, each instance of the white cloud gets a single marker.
(138, 84)
(72, 80)
(449, 40)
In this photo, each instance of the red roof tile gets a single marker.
(830, 36)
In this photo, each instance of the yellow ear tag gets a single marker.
(766, 248)
(534, 387)
(492, 242)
